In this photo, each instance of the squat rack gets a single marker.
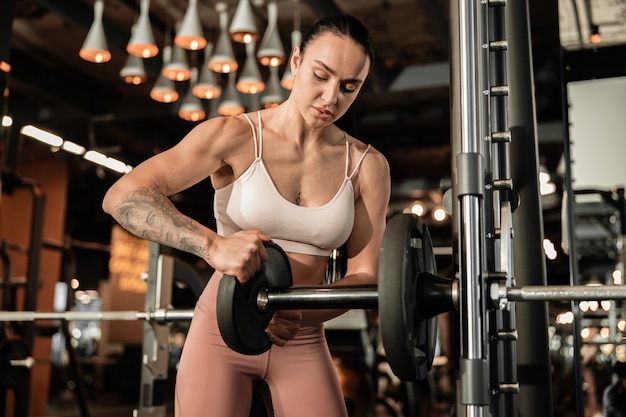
(494, 168)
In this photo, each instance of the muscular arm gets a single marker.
(146, 212)
(140, 202)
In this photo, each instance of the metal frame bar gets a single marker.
(322, 297)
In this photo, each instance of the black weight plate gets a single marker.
(242, 324)
(409, 339)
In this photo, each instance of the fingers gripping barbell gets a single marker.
(409, 297)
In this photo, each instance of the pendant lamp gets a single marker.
(133, 71)
(271, 51)
(207, 86)
(141, 42)
(178, 68)
(273, 95)
(223, 60)
(95, 48)
(191, 108)
(287, 79)
(189, 35)
(243, 27)
(250, 81)
(164, 90)
(296, 39)
(230, 104)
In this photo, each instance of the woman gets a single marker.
(286, 174)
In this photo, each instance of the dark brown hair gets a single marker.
(343, 25)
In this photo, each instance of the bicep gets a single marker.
(363, 249)
(198, 155)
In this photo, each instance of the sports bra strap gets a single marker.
(258, 149)
(359, 161)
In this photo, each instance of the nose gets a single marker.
(330, 93)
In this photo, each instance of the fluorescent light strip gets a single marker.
(96, 157)
(71, 147)
(42, 135)
(74, 148)
(115, 165)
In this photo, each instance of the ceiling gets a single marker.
(403, 115)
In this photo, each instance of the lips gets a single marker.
(322, 112)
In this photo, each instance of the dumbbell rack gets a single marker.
(484, 201)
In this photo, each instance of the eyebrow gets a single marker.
(327, 68)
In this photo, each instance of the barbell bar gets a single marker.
(159, 316)
(366, 296)
(566, 293)
(323, 297)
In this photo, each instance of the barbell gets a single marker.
(409, 297)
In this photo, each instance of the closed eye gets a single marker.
(348, 88)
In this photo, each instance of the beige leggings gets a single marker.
(213, 380)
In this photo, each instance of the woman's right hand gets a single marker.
(239, 255)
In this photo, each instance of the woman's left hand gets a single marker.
(284, 326)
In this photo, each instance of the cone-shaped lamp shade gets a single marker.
(271, 52)
(250, 81)
(243, 27)
(133, 71)
(95, 48)
(287, 80)
(273, 94)
(141, 42)
(190, 35)
(207, 86)
(164, 90)
(191, 108)
(178, 68)
(230, 104)
(223, 60)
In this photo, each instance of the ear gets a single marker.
(296, 59)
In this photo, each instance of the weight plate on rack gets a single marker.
(408, 338)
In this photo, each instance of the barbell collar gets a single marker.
(176, 315)
(318, 297)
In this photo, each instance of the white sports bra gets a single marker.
(253, 202)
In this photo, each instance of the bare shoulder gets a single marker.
(220, 135)
(373, 162)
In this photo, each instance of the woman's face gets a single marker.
(328, 77)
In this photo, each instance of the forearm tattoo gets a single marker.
(149, 214)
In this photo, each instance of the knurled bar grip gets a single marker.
(567, 293)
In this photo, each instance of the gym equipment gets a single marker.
(409, 296)
(247, 333)
(409, 326)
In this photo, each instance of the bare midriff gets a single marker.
(307, 269)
